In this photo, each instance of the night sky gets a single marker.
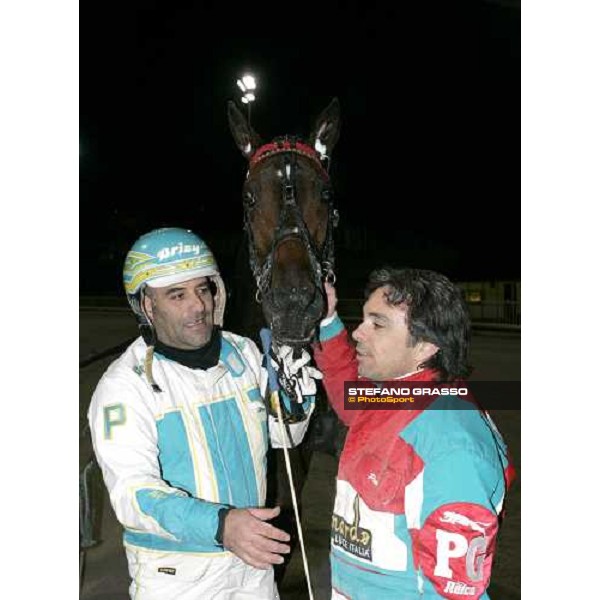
(430, 137)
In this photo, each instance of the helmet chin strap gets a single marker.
(149, 335)
(221, 298)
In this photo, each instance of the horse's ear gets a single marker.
(245, 137)
(326, 131)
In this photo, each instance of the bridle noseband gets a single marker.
(290, 223)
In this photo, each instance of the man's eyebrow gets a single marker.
(173, 289)
(380, 316)
(180, 288)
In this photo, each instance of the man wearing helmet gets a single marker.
(180, 431)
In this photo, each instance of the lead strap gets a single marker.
(288, 468)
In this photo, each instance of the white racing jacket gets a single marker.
(172, 459)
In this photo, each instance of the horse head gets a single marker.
(289, 220)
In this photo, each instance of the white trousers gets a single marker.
(169, 576)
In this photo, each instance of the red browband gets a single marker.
(286, 146)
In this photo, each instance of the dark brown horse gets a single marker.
(289, 221)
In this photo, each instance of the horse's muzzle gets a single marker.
(293, 314)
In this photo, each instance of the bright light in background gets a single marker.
(247, 84)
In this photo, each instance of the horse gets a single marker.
(289, 219)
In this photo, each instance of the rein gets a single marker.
(322, 262)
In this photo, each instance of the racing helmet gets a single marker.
(167, 256)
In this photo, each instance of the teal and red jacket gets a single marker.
(419, 493)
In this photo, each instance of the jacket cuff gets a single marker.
(330, 327)
(223, 512)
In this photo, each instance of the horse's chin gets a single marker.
(294, 342)
(294, 333)
(293, 329)
(293, 323)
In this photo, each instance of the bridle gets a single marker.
(322, 261)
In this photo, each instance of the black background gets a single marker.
(428, 162)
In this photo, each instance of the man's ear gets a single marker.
(425, 351)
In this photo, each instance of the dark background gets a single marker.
(427, 168)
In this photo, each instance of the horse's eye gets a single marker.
(326, 194)
(249, 199)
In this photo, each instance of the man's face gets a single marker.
(384, 349)
(182, 313)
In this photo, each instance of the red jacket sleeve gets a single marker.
(336, 358)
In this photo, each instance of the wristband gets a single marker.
(223, 512)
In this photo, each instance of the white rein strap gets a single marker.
(288, 469)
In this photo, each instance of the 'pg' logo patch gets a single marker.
(456, 546)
